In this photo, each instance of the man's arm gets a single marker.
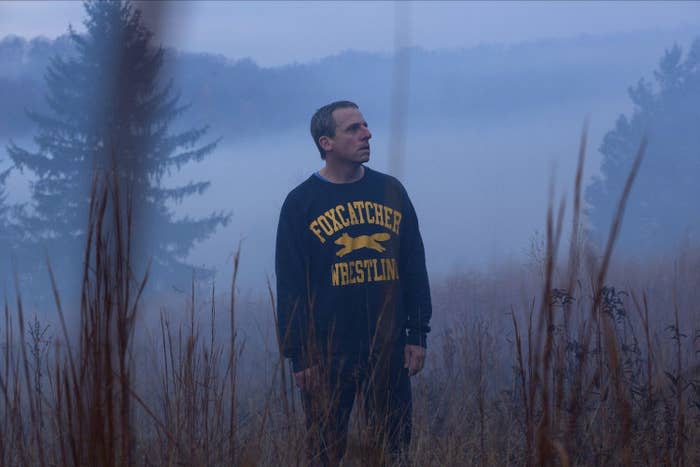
(414, 278)
(291, 270)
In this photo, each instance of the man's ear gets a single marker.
(326, 143)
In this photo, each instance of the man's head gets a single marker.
(340, 129)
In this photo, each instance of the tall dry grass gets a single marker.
(577, 360)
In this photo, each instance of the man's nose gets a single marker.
(368, 135)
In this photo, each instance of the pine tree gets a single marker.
(109, 103)
(662, 212)
(8, 232)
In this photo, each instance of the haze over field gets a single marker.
(497, 95)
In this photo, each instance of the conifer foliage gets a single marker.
(110, 109)
(8, 231)
(662, 210)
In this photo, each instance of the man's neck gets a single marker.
(342, 173)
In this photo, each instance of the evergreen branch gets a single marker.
(179, 193)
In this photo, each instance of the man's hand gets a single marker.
(413, 358)
(307, 379)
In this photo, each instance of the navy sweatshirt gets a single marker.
(350, 266)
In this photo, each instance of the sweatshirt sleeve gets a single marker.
(291, 270)
(414, 277)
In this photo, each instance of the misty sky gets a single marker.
(276, 33)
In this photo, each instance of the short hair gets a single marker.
(323, 123)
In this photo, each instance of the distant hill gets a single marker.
(239, 98)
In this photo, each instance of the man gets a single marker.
(353, 295)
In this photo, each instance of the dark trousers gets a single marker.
(382, 386)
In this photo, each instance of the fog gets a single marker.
(480, 192)
(488, 129)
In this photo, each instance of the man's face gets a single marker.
(351, 140)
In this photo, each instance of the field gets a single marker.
(569, 359)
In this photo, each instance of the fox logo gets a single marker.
(351, 244)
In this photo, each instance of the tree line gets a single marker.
(473, 85)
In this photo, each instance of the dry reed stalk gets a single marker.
(545, 325)
(649, 403)
(233, 362)
(34, 416)
(529, 430)
(4, 381)
(481, 395)
(679, 389)
(286, 388)
(602, 327)
(95, 399)
(611, 344)
(573, 271)
(540, 382)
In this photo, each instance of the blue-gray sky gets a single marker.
(276, 33)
